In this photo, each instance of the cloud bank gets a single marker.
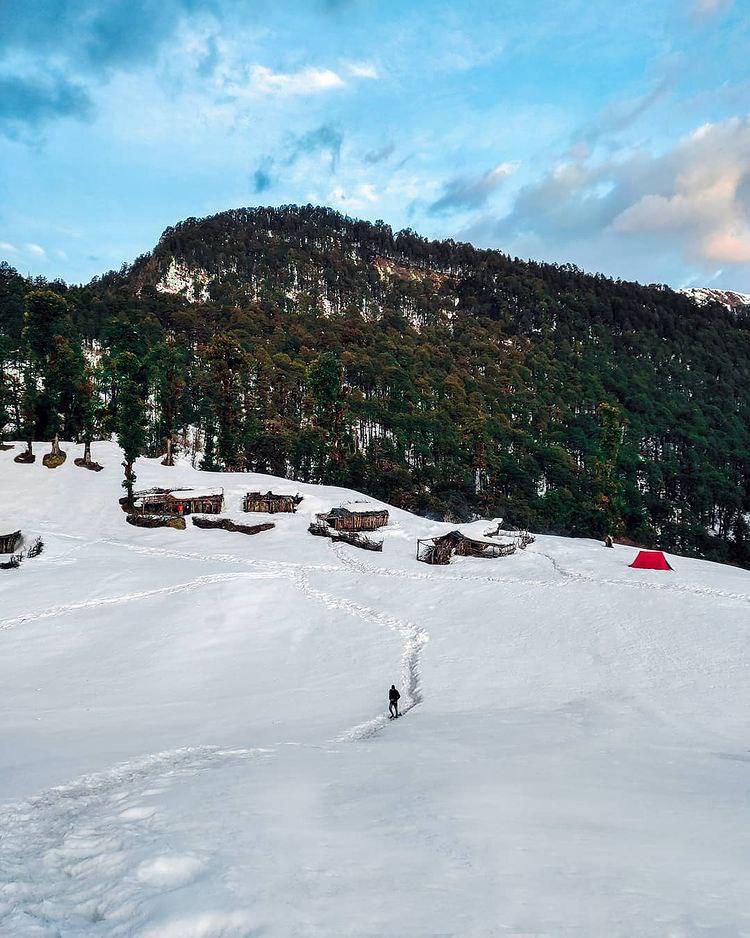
(695, 195)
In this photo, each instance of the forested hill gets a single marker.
(445, 379)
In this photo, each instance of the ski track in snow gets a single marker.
(704, 591)
(369, 569)
(219, 558)
(79, 859)
(348, 562)
(566, 576)
(200, 581)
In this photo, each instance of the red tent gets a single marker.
(651, 560)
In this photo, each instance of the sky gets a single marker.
(613, 135)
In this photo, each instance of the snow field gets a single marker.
(195, 738)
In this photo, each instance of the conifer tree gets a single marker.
(167, 365)
(130, 419)
(208, 462)
(605, 483)
(47, 326)
(46, 315)
(28, 409)
(226, 361)
(65, 379)
(89, 410)
(329, 410)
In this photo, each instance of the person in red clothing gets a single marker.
(393, 699)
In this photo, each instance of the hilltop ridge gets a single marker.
(448, 380)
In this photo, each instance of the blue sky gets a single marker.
(613, 135)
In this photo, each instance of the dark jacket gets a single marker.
(393, 694)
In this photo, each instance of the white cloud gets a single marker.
(689, 205)
(728, 247)
(307, 81)
(504, 169)
(409, 187)
(362, 70)
(702, 203)
(36, 249)
(367, 191)
(7, 246)
(353, 199)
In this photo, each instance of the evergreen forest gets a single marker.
(450, 381)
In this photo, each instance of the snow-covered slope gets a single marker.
(728, 298)
(193, 740)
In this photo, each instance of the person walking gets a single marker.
(393, 699)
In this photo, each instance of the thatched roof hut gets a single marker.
(209, 501)
(271, 503)
(439, 550)
(356, 516)
(9, 542)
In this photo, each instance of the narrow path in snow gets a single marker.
(87, 852)
(369, 569)
(349, 562)
(197, 583)
(566, 576)
(219, 558)
(413, 636)
(708, 592)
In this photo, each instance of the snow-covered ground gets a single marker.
(193, 741)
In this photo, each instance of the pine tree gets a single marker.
(65, 378)
(208, 462)
(226, 361)
(46, 315)
(46, 330)
(29, 404)
(89, 411)
(167, 365)
(130, 418)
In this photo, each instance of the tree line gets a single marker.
(464, 383)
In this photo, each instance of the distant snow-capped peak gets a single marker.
(728, 298)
